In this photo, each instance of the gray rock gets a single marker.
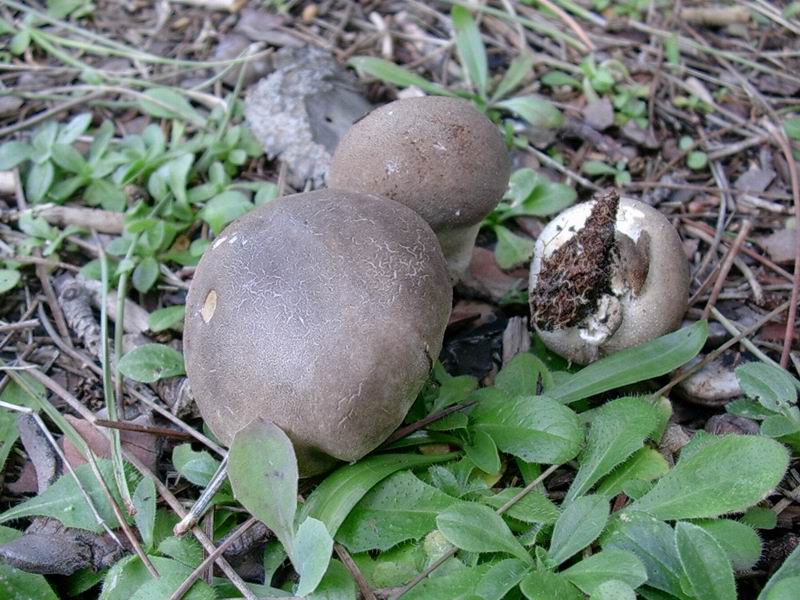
(300, 112)
(713, 385)
(599, 114)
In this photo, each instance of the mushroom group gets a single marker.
(324, 312)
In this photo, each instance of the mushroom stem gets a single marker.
(457, 245)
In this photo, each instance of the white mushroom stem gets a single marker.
(457, 245)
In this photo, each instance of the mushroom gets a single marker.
(437, 155)
(607, 275)
(322, 312)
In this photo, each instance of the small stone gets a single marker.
(727, 423)
(599, 114)
(713, 385)
(642, 137)
(780, 245)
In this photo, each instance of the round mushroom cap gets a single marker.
(647, 300)
(322, 312)
(437, 155)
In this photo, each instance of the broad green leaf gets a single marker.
(394, 567)
(519, 68)
(647, 361)
(145, 274)
(770, 385)
(776, 426)
(704, 561)
(653, 541)
(792, 127)
(102, 192)
(452, 390)
(760, 517)
(548, 198)
(740, 542)
(786, 589)
(399, 508)
(177, 175)
(617, 430)
(65, 502)
(596, 167)
(166, 103)
(558, 78)
(69, 159)
(197, 467)
(166, 318)
(186, 550)
(613, 590)
(144, 502)
(334, 498)
(471, 51)
(501, 579)
(477, 528)
(152, 362)
(536, 110)
(521, 375)
(483, 452)
(458, 585)
(700, 486)
(534, 428)
(391, 73)
(130, 580)
(646, 464)
(74, 129)
(263, 473)
(511, 249)
(40, 178)
(533, 507)
(19, 585)
(9, 278)
(549, 586)
(337, 584)
(14, 153)
(608, 565)
(14, 394)
(580, 524)
(788, 571)
(312, 553)
(225, 208)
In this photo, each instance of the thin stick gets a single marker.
(202, 503)
(152, 430)
(399, 434)
(726, 265)
(351, 566)
(194, 575)
(27, 324)
(733, 330)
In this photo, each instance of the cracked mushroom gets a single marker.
(606, 275)
(322, 312)
(438, 156)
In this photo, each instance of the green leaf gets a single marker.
(647, 361)
(471, 51)
(559, 78)
(312, 553)
(645, 464)
(186, 550)
(777, 588)
(697, 160)
(483, 452)
(144, 502)
(395, 74)
(740, 542)
(262, 458)
(74, 129)
(224, 208)
(69, 159)
(152, 362)
(65, 502)
(596, 167)
(533, 507)
(337, 584)
(333, 499)
(197, 467)
(501, 579)
(40, 178)
(535, 110)
(14, 153)
(613, 590)
(19, 585)
(792, 127)
(452, 390)
(760, 517)
(653, 541)
(521, 375)
(14, 394)
(178, 174)
(145, 274)
(477, 528)
(519, 68)
(534, 428)
(403, 507)
(549, 586)
(170, 317)
(173, 574)
(166, 103)
(9, 278)
(580, 524)
(102, 192)
(608, 565)
(618, 429)
(511, 249)
(700, 485)
(704, 561)
(457, 585)
(770, 385)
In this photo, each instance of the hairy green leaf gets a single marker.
(501, 579)
(152, 362)
(740, 542)
(166, 103)
(144, 502)
(197, 467)
(770, 385)
(312, 554)
(533, 507)
(536, 110)
(704, 561)
(613, 590)
(608, 565)
(580, 523)
(645, 464)
(548, 586)
(521, 375)
(166, 318)
(788, 571)
(477, 528)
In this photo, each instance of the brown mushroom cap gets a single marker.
(437, 155)
(634, 312)
(322, 312)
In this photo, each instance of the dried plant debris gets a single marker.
(574, 277)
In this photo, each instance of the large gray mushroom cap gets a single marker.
(438, 156)
(322, 312)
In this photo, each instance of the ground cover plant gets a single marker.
(663, 471)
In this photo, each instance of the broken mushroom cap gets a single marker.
(438, 156)
(322, 312)
(606, 275)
